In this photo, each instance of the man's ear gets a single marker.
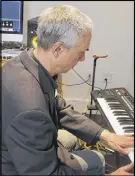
(57, 48)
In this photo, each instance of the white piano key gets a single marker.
(114, 121)
(131, 154)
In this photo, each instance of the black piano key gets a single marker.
(111, 98)
(129, 131)
(127, 123)
(120, 114)
(112, 101)
(129, 127)
(113, 108)
(131, 124)
(123, 118)
(114, 104)
(119, 106)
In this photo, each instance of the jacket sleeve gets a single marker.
(76, 123)
(29, 140)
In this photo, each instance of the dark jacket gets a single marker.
(30, 122)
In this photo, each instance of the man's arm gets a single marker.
(89, 131)
(30, 143)
(78, 124)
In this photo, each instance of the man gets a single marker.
(31, 115)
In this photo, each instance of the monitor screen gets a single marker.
(12, 20)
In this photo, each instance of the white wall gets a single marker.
(113, 35)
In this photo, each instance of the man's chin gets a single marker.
(66, 70)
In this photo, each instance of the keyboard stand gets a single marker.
(117, 159)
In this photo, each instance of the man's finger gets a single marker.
(128, 144)
(121, 150)
(128, 167)
(128, 135)
(127, 173)
(116, 147)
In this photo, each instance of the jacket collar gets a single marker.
(36, 69)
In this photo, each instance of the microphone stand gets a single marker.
(93, 78)
(93, 83)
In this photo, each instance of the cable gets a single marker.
(99, 147)
(80, 76)
(76, 84)
(2, 62)
(87, 147)
(106, 83)
(84, 79)
(62, 90)
(88, 93)
(13, 45)
(110, 166)
(86, 105)
(85, 82)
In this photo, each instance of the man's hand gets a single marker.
(125, 170)
(119, 143)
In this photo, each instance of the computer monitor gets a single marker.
(12, 21)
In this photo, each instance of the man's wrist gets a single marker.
(99, 133)
(104, 135)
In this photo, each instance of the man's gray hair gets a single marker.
(64, 24)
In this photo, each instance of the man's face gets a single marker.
(68, 58)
